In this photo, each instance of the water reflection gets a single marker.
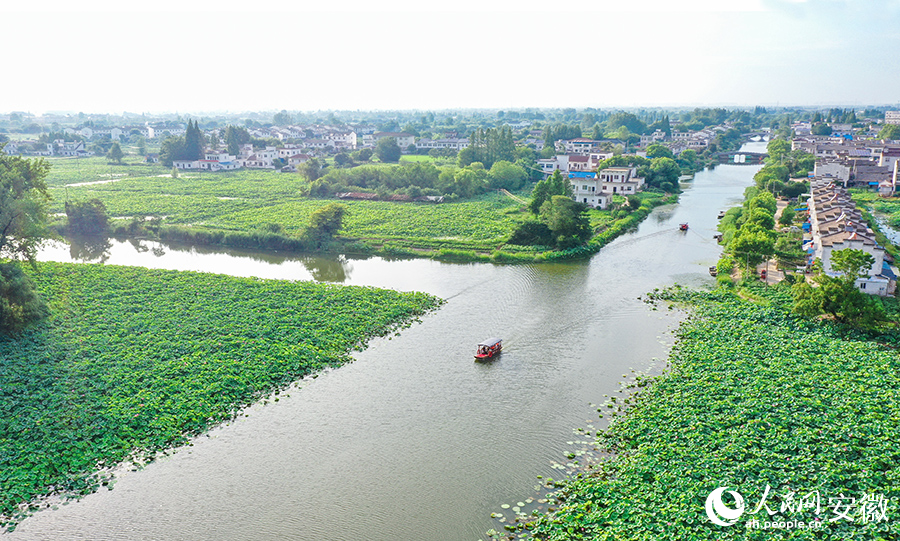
(327, 270)
(89, 249)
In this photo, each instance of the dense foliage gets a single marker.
(755, 397)
(87, 217)
(23, 206)
(133, 361)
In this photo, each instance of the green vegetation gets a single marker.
(23, 224)
(755, 397)
(133, 361)
(186, 147)
(838, 296)
(388, 150)
(782, 165)
(87, 218)
(748, 231)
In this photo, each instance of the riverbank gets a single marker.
(755, 398)
(133, 361)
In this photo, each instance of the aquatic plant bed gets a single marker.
(800, 418)
(133, 361)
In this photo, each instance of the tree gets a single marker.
(852, 264)
(634, 202)
(890, 131)
(23, 223)
(555, 184)
(282, 118)
(787, 216)
(87, 217)
(311, 169)
(19, 303)
(235, 136)
(506, 175)
(341, 159)
(23, 206)
(752, 246)
(141, 146)
(193, 142)
(388, 150)
(567, 220)
(659, 151)
(325, 223)
(532, 233)
(665, 170)
(821, 129)
(115, 153)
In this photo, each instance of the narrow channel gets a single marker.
(414, 440)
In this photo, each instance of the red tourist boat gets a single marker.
(683, 227)
(489, 348)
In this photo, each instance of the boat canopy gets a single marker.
(491, 342)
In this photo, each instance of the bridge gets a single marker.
(737, 157)
(763, 136)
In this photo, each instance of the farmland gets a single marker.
(754, 397)
(247, 201)
(133, 361)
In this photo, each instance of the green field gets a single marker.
(133, 361)
(754, 397)
(248, 201)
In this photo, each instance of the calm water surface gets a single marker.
(414, 440)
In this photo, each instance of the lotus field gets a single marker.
(800, 418)
(133, 361)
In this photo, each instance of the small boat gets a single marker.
(683, 227)
(488, 349)
(721, 214)
(718, 237)
(713, 271)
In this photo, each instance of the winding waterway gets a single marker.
(414, 440)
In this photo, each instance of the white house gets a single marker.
(345, 140)
(619, 181)
(404, 140)
(456, 144)
(586, 189)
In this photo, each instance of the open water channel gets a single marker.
(414, 440)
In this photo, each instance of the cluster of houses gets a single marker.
(220, 160)
(869, 163)
(836, 224)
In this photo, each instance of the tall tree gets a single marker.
(115, 153)
(235, 136)
(23, 223)
(388, 150)
(193, 142)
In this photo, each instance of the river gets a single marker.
(414, 440)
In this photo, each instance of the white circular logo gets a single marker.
(721, 514)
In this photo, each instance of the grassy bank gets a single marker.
(133, 361)
(754, 397)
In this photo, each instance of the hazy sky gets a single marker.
(223, 55)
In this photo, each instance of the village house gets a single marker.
(456, 144)
(586, 189)
(836, 224)
(619, 181)
(404, 140)
(342, 139)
